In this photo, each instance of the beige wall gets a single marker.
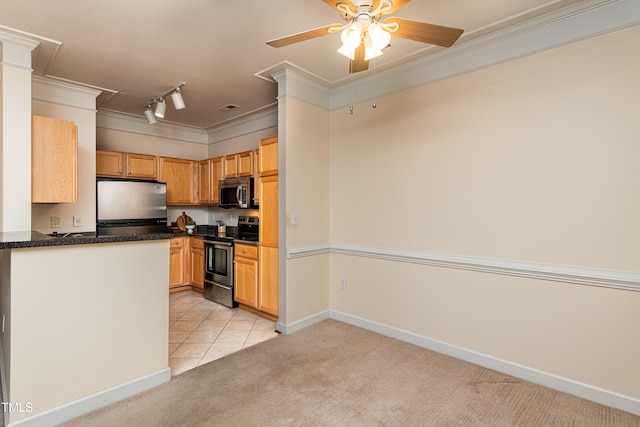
(306, 192)
(534, 160)
(80, 325)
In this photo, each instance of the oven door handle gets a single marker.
(218, 243)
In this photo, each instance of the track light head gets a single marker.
(161, 107)
(148, 113)
(178, 102)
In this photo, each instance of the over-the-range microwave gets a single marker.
(236, 193)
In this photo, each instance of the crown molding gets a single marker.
(63, 93)
(265, 118)
(108, 119)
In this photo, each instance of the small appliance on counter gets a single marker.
(125, 207)
(218, 261)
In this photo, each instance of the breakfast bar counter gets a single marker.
(85, 321)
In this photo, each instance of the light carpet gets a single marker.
(334, 374)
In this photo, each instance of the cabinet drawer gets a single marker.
(177, 242)
(246, 251)
(197, 243)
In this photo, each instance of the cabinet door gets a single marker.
(246, 281)
(54, 160)
(204, 189)
(268, 189)
(268, 156)
(268, 280)
(217, 173)
(245, 163)
(197, 263)
(268, 257)
(142, 166)
(109, 163)
(177, 264)
(179, 176)
(231, 166)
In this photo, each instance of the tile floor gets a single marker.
(201, 331)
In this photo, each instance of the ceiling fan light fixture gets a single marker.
(178, 102)
(352, 36)
(380, 38)
(347, 51)
(148, 113)
(370, 51)
(161, 108)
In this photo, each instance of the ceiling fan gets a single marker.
(367, 30)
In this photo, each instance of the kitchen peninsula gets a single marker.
(84, 320)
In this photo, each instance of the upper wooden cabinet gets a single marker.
(54, 160)
(205, 181)
(211, 172)
(126, 165)
(239, 164)
(268, 156)
(180, 176)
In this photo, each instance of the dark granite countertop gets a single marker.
(34, 239)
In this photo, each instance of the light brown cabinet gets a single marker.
(246, 275)
(179, 264)
(118, 164)
(211, 172)
(54, 160)
(268, 156)
(268, 281)
(180, 176)
(197, 263)
(239, 164)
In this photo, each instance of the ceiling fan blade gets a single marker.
(425, 33)
(300, 37)
(358, 63)
(334, 4)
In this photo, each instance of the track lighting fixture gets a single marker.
(161, 106)
(176, 97)
(148, 113)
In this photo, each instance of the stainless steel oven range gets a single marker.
(218, 264)
(218, 270)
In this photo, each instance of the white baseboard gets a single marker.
(302, 323)
(95, 401)
(575, 388)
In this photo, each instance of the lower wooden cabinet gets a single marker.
(246, 274)
(179, 264)
(197, 263)
(268, 289)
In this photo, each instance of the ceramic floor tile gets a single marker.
(191, 350)
(185, 325)
(208, 336)
(178, 337)
(202, 331)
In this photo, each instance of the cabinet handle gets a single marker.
(120, 172)
(129, 173)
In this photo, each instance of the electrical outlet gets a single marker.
(55, 221)
(77, 221)
(343, 283)
(294, 218)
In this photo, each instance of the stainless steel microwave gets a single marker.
(236, 193)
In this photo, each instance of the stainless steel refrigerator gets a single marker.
(127, 207)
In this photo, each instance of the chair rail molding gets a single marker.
(624, 280)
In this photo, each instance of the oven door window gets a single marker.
(217, 260)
